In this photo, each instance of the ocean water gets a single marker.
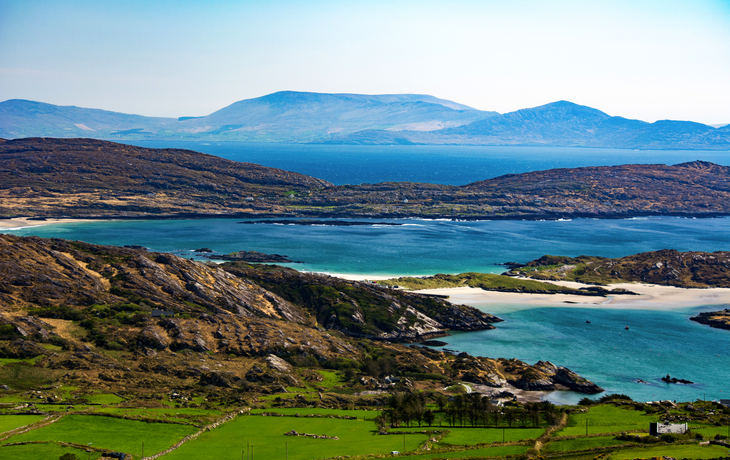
(657, 343)
(454, 165)
(416, 247)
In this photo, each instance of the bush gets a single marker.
(615, 397)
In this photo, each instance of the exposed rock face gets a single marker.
(545, 376)
(368, 310)
(39, 272)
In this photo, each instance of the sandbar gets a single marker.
(650, 296)
(24, 222)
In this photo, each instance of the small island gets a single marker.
(253, 257)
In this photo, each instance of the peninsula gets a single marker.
(92, 179)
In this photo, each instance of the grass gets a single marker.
(709, 431)
(163, 414)
(606, 418)
(11, 422)
(43, 451)
(473, 436)
(330, 379)
(109, 433)
(694, 451)
(477, 280)
(21, 376)
(266, 436)
(567, 445)
(105, 398)
(497, 451)
(360, 414)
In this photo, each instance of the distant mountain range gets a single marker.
(361, 119)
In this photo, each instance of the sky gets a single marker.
(640, 59)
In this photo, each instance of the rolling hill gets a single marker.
(302, 117)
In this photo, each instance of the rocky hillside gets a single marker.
(89, 178)
(127, 320)
(75, 280)
(74, 176)
(667, 267)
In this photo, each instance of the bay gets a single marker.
(657, 343)
(436, 164)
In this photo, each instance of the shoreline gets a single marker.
(650, 296)
(18, 223)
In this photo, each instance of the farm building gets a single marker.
(655, 429)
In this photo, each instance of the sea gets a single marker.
(629, 362)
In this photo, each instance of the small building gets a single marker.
(157, 313)
(725, 402)
(655, 429)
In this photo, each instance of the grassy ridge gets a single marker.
(484, 281)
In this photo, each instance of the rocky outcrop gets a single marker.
(545, 376)
(21, 349)
(719, 319)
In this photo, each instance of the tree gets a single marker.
(429, 417)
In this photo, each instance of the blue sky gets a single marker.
(648, 60)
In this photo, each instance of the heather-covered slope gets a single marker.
(91, 178)
(667, 267)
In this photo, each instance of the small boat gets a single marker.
(588, 322)
(627, 328)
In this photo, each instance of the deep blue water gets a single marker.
(454, 165)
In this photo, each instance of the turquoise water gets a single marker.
(436, 164)
(657, 343)
(418, 247)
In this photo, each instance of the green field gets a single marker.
(498, 451)
(694, 451)
(606, 419)
(473, 436)
(567, 445)
(266, 436)
(709, 431)
(11, 422)
(104, 398)
(360, 414)
(46, 451)
(109, 433)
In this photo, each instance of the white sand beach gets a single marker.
(23, 222)
(650, 296)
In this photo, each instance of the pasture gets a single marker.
(606, 418)
(109, 433)
(266, 440)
